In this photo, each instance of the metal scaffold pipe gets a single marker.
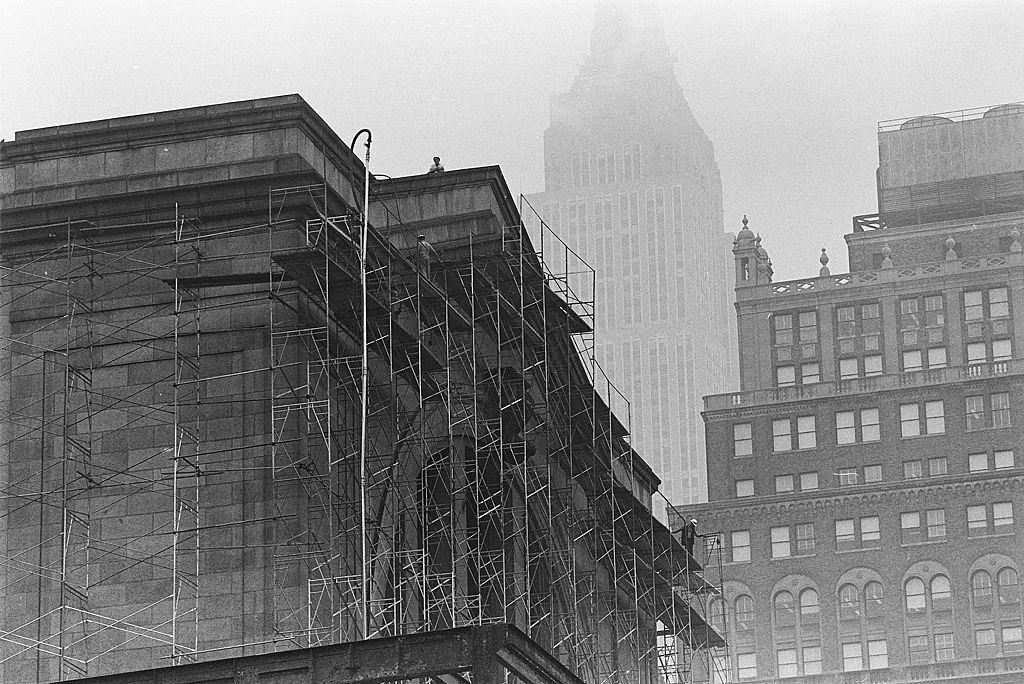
(364, 384)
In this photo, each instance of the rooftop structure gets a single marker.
(242, 412)
(867, 477)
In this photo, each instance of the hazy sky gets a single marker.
(790, 92)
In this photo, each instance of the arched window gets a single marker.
(785, 615)
(914, 591)
(940, 593)
(744, 612)
(1009, 586)
(849, 602)
(716, 613)
(809, 607)
(981, 588)
(873, 598)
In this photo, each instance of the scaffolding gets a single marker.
(492, 481)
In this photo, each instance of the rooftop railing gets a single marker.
(1006, 109)
(854, 386)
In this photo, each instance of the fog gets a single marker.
(790, 92)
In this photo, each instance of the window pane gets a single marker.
(869, 529)
(911, 469)
(847, 476)
(785, 376)
(807, 436)
(873, 599)
(742, 440)
(978, 462)
(852, 657)
(780, 542)
(1009, 586)
(812, 660)
(976, 352)
(741, 546)
(936, 519)
(912, 360)
(744, 488)
(1002, 350)
(977, 521)
(1002, 516)
(934, 311)
(808, 481)
(914, 592)
(847, 369)
(1000, 409)
(873, 473)
(936, 466)
(808, 326)
(786, 659)
(746, 666)
(783, 484)
(974, 407)
(781, 438)
(846, 433)
(909, 423)
(935, 417)
(878, 654)
(1004, 459)
(805, 537)
(849, 602)
(937, 357)
(1012, 640)
(809, 373)
(872, 365)
(869, 425)
(972, 306)
(997, 302)
(844, 534)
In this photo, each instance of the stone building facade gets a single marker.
(632, 183)
(868, 479)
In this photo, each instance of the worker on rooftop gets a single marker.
(437, 166)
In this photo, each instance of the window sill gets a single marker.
(795, 556)
(926, 542)
(860, 443)
(859, 549)
(991, 535)
(794, 451)
(988, 428)
(930, 434)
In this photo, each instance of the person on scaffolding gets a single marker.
(426, 255)
(690, 535)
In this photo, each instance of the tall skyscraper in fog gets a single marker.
(631, 183)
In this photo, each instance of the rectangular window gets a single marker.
(870, 530)
(782, 439)
(812, 660)
(936, 519)
(845, 537)
(920, 649)
(873, 473)
(977, 521)
(976, 353)
(1002, 350)
(998, 303)
(744, 488)
(806, 434)
(852, 657)
(936, 466)
(742, 441)
(878, 654)
(786, 659)
(808, 327)
(869, 425)
(846, 431)
(985, 641)
(908, 314)
(911, 470)
(936, 357)
(943, 647)
(973, 307)
(1001, 409)
(975, 409)
(805, 537)
(783, 329)
(783, 484)
(741, 546)
(746, 665)
(1002, 517)
(808, 481)
(934, 311)
(809, 373)
(848, 369)
(845, 316)
(872, 365)
(780, 542)
(871, 318)
(910, 423)
(785, 376)
(847, 476)
(935, 417)
(1004, 459)
(976, 463)
(1012, 640)
(912, 360)
(910, 524)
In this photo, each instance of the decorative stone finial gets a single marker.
(823, 259)
(745, 221)
(886, 257)
(745, 233)
(1015, 234)
(950, 252)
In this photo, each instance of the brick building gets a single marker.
(631, 181)
(868, 479)
(223, 433)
